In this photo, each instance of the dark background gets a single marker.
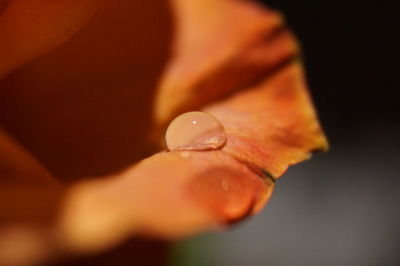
(352, 61)
(342, 207)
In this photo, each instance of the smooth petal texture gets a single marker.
(219, 47)
(17, 165)
(30, 28)
(28, 192)
(29, 200)
(169, 195)
(84, 108)
(273, 124)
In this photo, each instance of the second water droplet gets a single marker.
(195, 131)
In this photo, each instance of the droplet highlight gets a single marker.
(195, 131)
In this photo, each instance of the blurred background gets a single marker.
(342, 207)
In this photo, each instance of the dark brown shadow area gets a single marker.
(84, 109)
(3, 5)
(133, 252)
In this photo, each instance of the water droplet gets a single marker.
(195, 131)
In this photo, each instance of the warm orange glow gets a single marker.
(79, 102)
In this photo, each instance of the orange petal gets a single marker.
(30, 28)
(17, 165)
(28, 192)
(219, 47)
(273, 124)
(247, 70)
(270, 120)
(84, 108)
(168, 195)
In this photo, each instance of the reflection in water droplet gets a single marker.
(195, 131)
(225, 185)
(184, 154)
